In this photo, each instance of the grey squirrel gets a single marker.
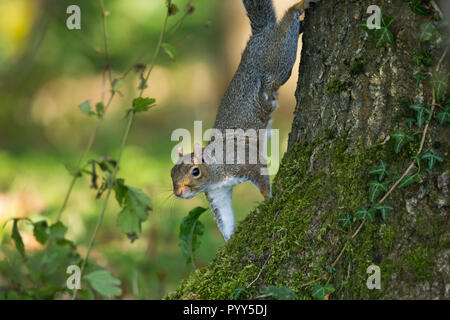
(248, 103)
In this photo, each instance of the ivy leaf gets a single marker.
(135, 206)
(346, 220)
(427, 59)
(416, 7)
(86, 108)
(430, 32)
(381, 171)
(383, 208)
(169, 50)
(410, 122)
(319, 291)
(401, 138)
(431, 158)
(426, 31)
(418, 161)
(383, 34)
(15, 235)
(117, 84)
(191, 229)
(375, 189)
(417, 59)
(409, 180)
(418, 77)
(363, 214)
(279, 293)
(143, 104)
(330, 269)
(422, 113)
(238, 292)
(440, 85)
(40, 231)
(104, 283)
(444, 116)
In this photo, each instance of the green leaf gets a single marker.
(416, 7)
(117, 84)
(409, 180)
(427, 59)
(383, 34)
(423, 113)
(418, 161)
(85, 107)
(410, 122)
(41, 231)
(319, 291)
(375, 189)
(238, 292)
(444, 116)
(381, 171)
(363, 214)
(143, 104)
(279, 293)
(173, 9)
(100, 109)
(417, 59)
(430, 32)
(431, 158)
(440, 85)
(383, 208)
(346, 220)
(191, 229)
(135, 207)
(401, 138)
(72, 169)
(104, 283)
(169, 50)
(418, 77)
(330, 269)
(58, 230)
(15, 235)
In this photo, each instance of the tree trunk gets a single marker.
(351, 97)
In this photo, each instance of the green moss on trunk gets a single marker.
(317, 184)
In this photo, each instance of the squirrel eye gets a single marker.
(195, 172)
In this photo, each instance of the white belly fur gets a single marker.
(220, 199)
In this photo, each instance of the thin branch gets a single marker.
(260, 271)
(93, 135)
(122, 148)
(105, 36)
(86, 151)
(105, 203)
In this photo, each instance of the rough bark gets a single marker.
(351, 96)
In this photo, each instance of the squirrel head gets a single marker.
(190, 175)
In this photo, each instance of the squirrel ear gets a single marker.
(180, 152)
(198, 152)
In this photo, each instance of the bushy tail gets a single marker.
(260, 13)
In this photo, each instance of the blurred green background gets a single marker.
(46, 71)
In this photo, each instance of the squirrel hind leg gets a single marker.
(299, 6)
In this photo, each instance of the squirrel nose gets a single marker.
(179, 191)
